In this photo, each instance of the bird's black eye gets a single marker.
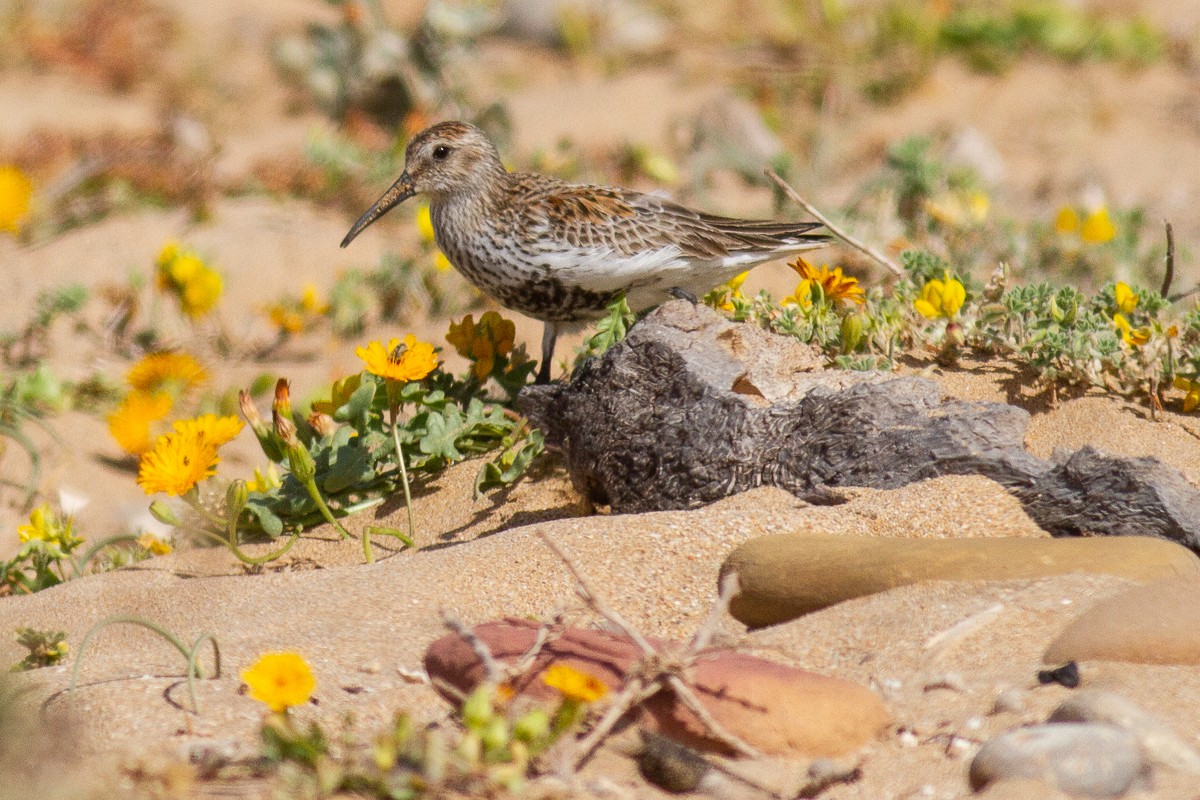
(440, 152)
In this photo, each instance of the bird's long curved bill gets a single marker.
(401, 190)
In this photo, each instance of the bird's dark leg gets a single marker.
(549, 338)
(683, 294)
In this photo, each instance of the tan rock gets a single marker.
(788, 575)
(1155, 624)
(778, 709)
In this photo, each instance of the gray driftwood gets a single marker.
(691, 408)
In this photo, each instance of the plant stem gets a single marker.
(99, 546)
(394, 413)
(193, 668)
(315, 494)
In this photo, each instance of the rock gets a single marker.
(691, 408)
(669, 765)
(1080, 759)
(1162, 745)
(779, 710)
(1155, 624)
(1088, 492)
(785, 576)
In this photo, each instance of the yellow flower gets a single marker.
(210, 429)
(731, 290)
(461, 335)
(833, 283)
(1192, 400)
(183, 268)
(292, 316)
(1126, 298)
(1098, 228)
(177, 463)
(425, 223)
(42, 525)
(339, 394)
(169, 252)
(286, 319)
(957, 209)
(172, 372)
(801, 296)
(52, 530)
(310, 301)
(410, 362)
(441, 263)
(15, 191)
(574, 684)
(1132, 336)
(280, 680)
(941, 298)
(201, 292)
(130, 423)
(157, 546)
(1067, 221)
(493, 336)
(265, 481)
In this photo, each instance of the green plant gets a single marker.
(46, 648)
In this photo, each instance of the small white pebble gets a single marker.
(974, 723)
(907, 738)
(928, 790)
(1066, 601)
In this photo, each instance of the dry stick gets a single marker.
(525, 662)
(594, 601)
(494, 673)
(640, 687)
(863, 248)
(729, 587)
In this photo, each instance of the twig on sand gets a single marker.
(657, 670)
(497, 673)
(865, 249)
(482, 651)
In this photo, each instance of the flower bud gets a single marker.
(301, 463)
(322, 424)
(266, 437)
(164, 513)
(852, 332)
(285, 429)
(236, 497)
(283, 398)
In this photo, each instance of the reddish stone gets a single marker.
(778, 709)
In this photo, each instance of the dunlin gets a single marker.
(560, 252)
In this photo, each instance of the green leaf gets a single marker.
(358, 406)
(442, 434)
(271, 524)
(348, 466)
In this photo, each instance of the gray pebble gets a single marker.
(1088, 760)
(1164, 747)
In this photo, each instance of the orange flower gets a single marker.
(833, 283)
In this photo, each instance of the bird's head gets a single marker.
(440, 162)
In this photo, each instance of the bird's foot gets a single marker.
(683, 294)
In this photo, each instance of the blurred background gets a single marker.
(1050, 135)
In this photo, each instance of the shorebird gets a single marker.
(561, 252)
